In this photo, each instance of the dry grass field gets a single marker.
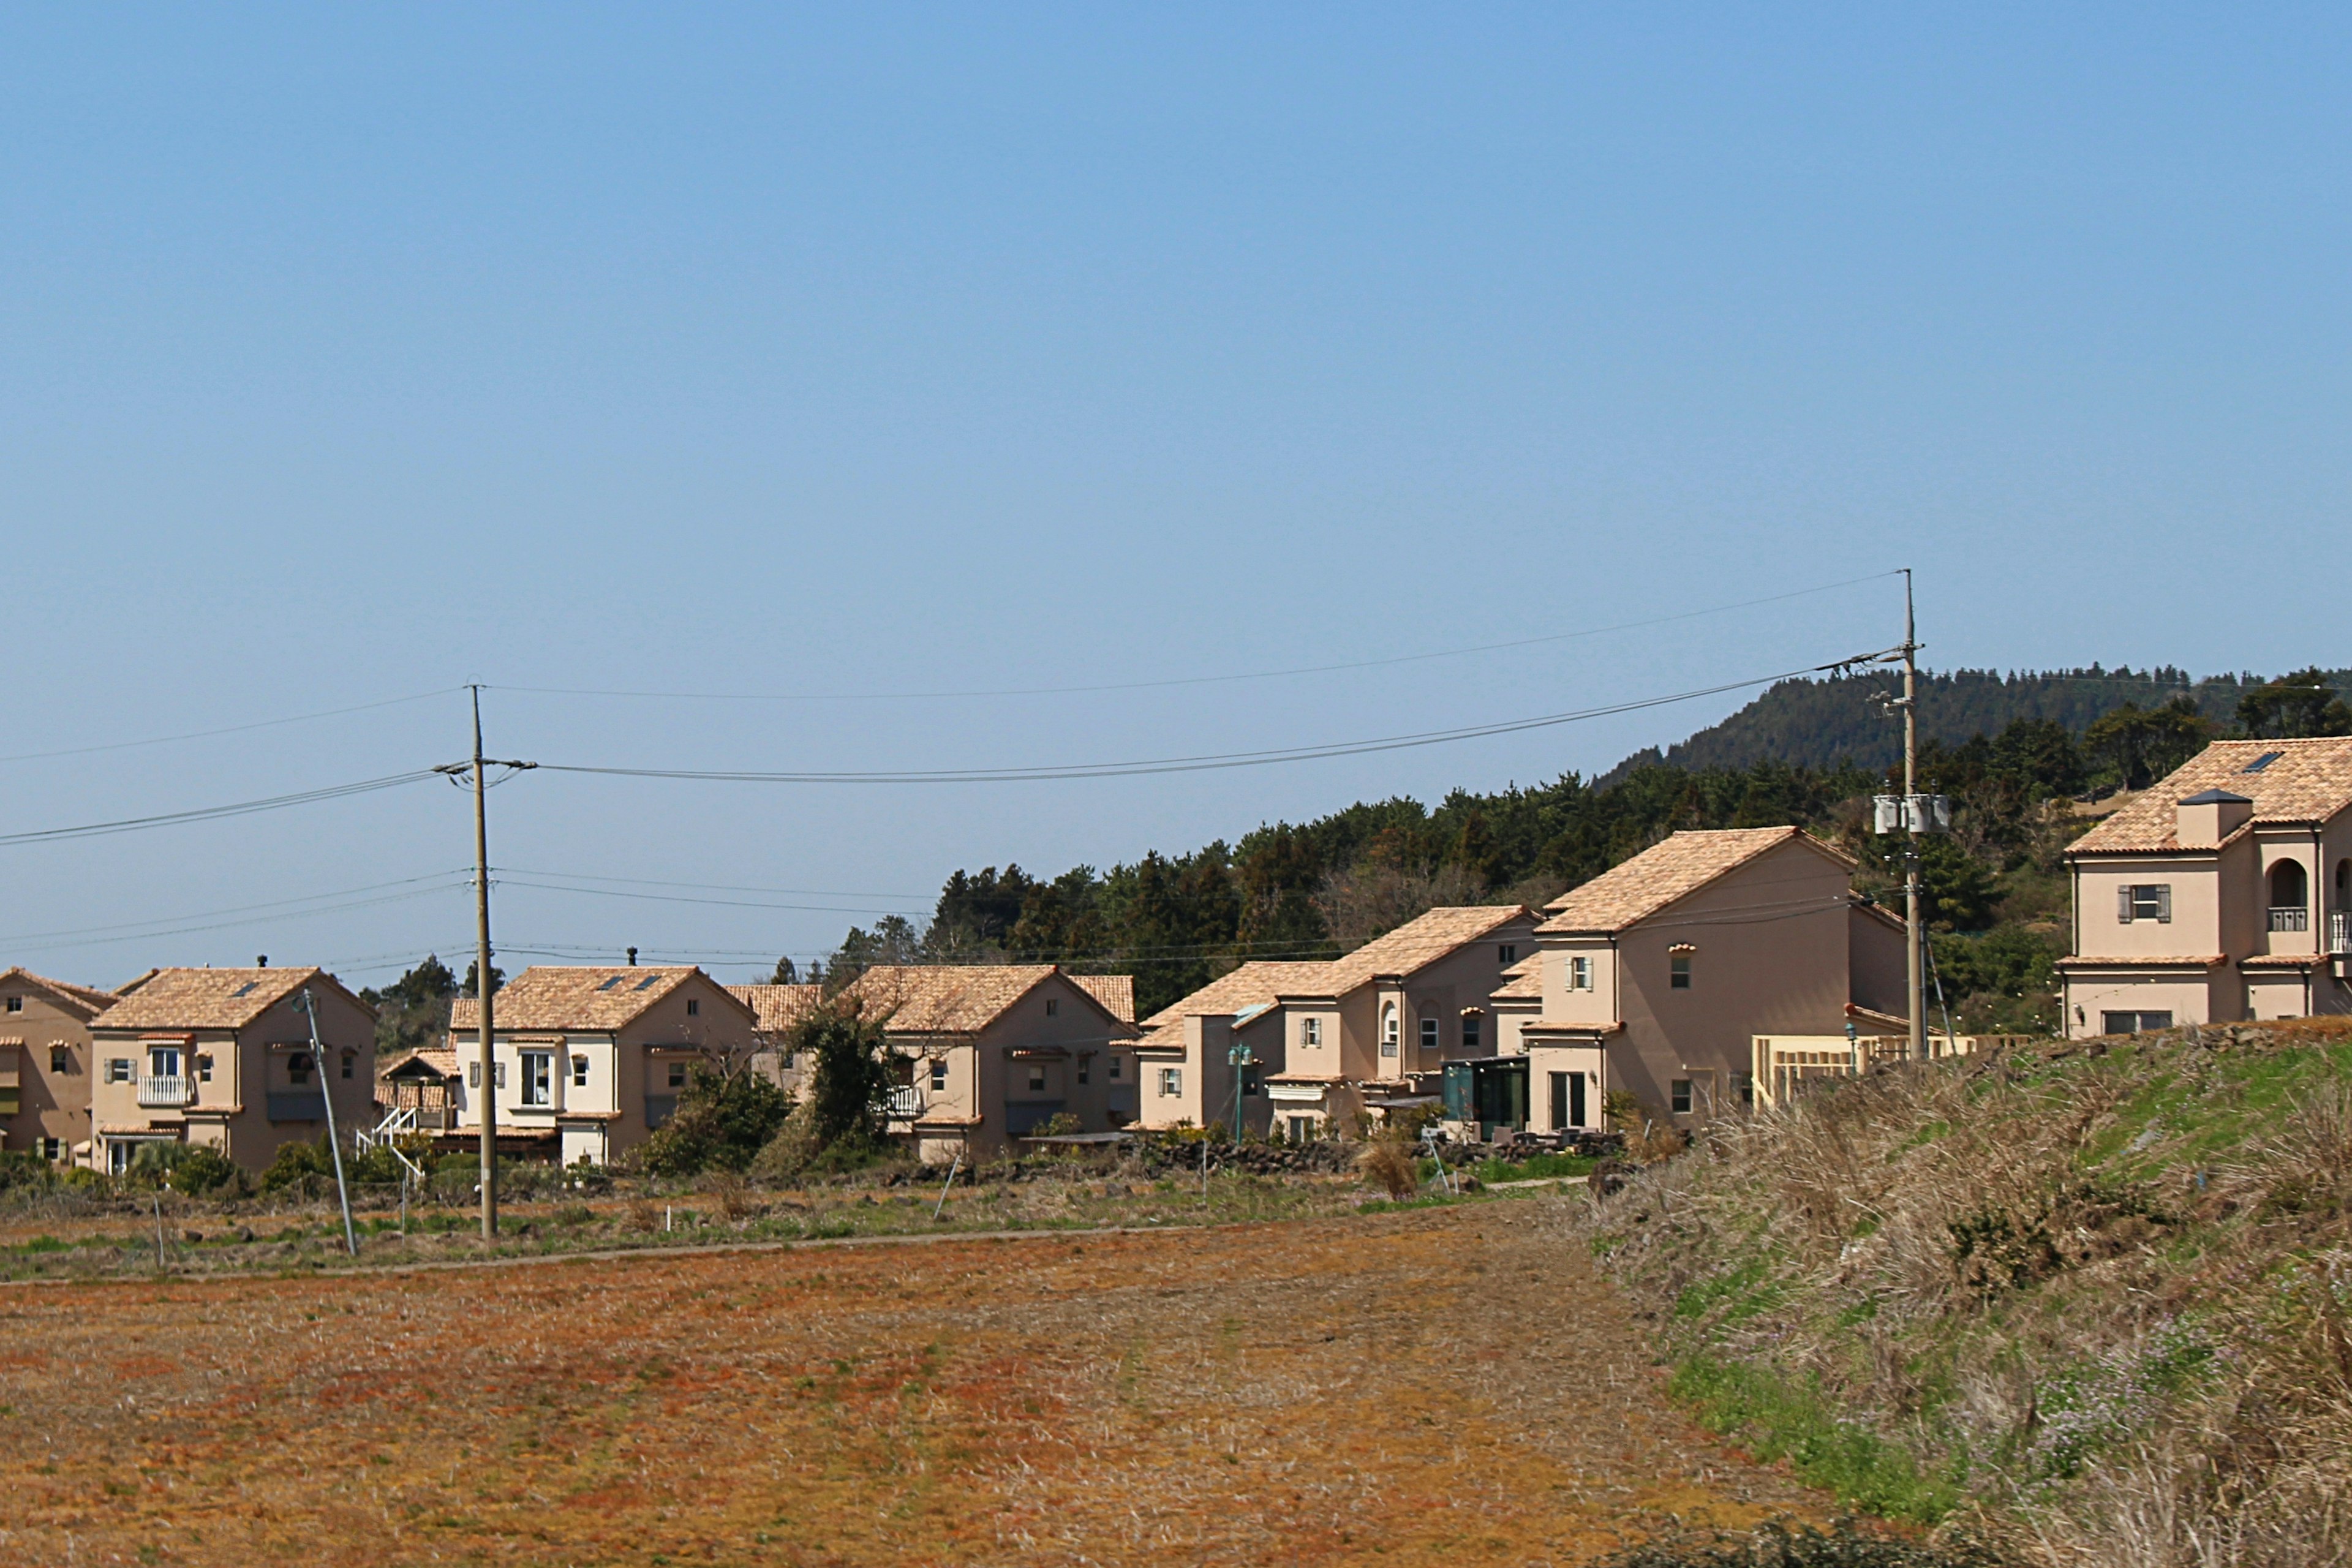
(1422, 1386)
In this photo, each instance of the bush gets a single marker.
(1388, 1164)
(722, 1122)
(194, 1169)
(295, 1164)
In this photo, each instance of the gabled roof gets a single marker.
(86, 1000)
(442, 1060)
(1522, 981)
(1665, 874)
(956, 998)
(1115, 992)
(210, 998)
(549, 998)
(2305, 781)
(775, 1008)
(1251, 985)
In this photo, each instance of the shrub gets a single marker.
(723, 1119)
(1388, 1164)
(295, 1164)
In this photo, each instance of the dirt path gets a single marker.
(1448, 1385)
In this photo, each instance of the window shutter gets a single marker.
(2123, 905)
(2164, 904)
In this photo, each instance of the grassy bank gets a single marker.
(2093, 1298)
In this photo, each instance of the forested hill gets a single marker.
(1818, 723)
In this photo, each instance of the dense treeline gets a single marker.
(1995, 890)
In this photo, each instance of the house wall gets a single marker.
(1878, 962)
(1544, 1061)
(1755, 971)
(989, 1078)
(2202, 922)
(48, 1104)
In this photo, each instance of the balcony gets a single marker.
(2339, 931)
(2293, 916)
(905, 1102)
(167, 1092)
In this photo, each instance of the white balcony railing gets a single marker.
(2293, 917)
(167, 1092)
(906, 1101)
(2339, 930)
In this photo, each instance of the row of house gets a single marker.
(1711, 969)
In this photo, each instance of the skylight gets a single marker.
(247, 989)
(647, 983)
(2259, 763)
(612, 983)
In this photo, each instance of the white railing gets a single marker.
(178, 1090)
(2290, 916)
(400, 1119)
(905, 1100)
(2339, 931)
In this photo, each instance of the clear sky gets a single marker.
(349, 354)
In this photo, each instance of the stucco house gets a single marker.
(45, 1064)
(223, 1057)
(590, 1060)
(1655, 975)
(2222, 893)
(1330, 1041)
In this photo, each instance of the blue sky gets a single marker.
(349, 355)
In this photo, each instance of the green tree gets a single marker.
(894, 940)
(472, 985)
(722, 1119)
(849, 1076)
(414, 1010)
(2295, 707)
(2137, 745)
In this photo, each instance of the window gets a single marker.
(1252, 1079)
(939, 1075)
(501, 1073)
(647, 983)
(1172, 1081)
(693, 1005)
(473, 1076)
(1678, 971)
(247, 989)
(1509, 953)
(1302, 1129)
(15, 1004)
(2133, 1023)
(1053, 1006)
(1389, 1030)
(2259, 763)
(1681, 1091)
(1036, 1081)
(2145, 901)
(60, 1059)
(538, 1077)
(53, 1149)
(580, 1072)
(613, 983)
(1085, 1070)
(1115, 1066)
(349, 1057)
(1429, 1035)
(204, 1070)
(118, 1156)
(118, 1070)
(1469, 1031)
(163, 1061)
(1579, 974)
(297, 1068)
(1311, 1032)
(678, 1075)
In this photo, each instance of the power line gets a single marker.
(1193, 680)
(228, 730)
(715, 887)
(283, 904)
(215, 813)
(1183, 764)
(246, 921)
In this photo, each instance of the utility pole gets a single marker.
(457, 773)
(310, 1006)
(1911, 932)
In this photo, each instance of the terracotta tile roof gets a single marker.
(778, 1007)
(2309, 781)
(1662, 874)
(2284, 961)
(949, 998)
(83, 999)
(1251, 985)
(1115, 992)
(2153, 961)
(442, 1059)
(205, 998)
(592, 998)
(1523, 981)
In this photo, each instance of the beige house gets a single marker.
(1655, 976)
(45, 1064)
(988, 1053)
(2223, 893)
(1327, 1042)
(223, 1057)
(589, 1060)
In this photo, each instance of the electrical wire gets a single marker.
(247, 921)
(215, 813)
(682, 899)
(228, 730)
(1188, 764)
(1193, 679)
(288, 905)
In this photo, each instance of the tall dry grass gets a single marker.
(2098, 1296)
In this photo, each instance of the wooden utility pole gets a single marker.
(1911, 931)
(482, 988)
(310, 1006)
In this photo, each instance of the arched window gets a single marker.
(2343, 884)
(1388, 1027)
(2290, 897)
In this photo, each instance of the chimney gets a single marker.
(262, 963)
(633, 958)
(2208, 816)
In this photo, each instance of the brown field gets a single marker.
(1448, 1385)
